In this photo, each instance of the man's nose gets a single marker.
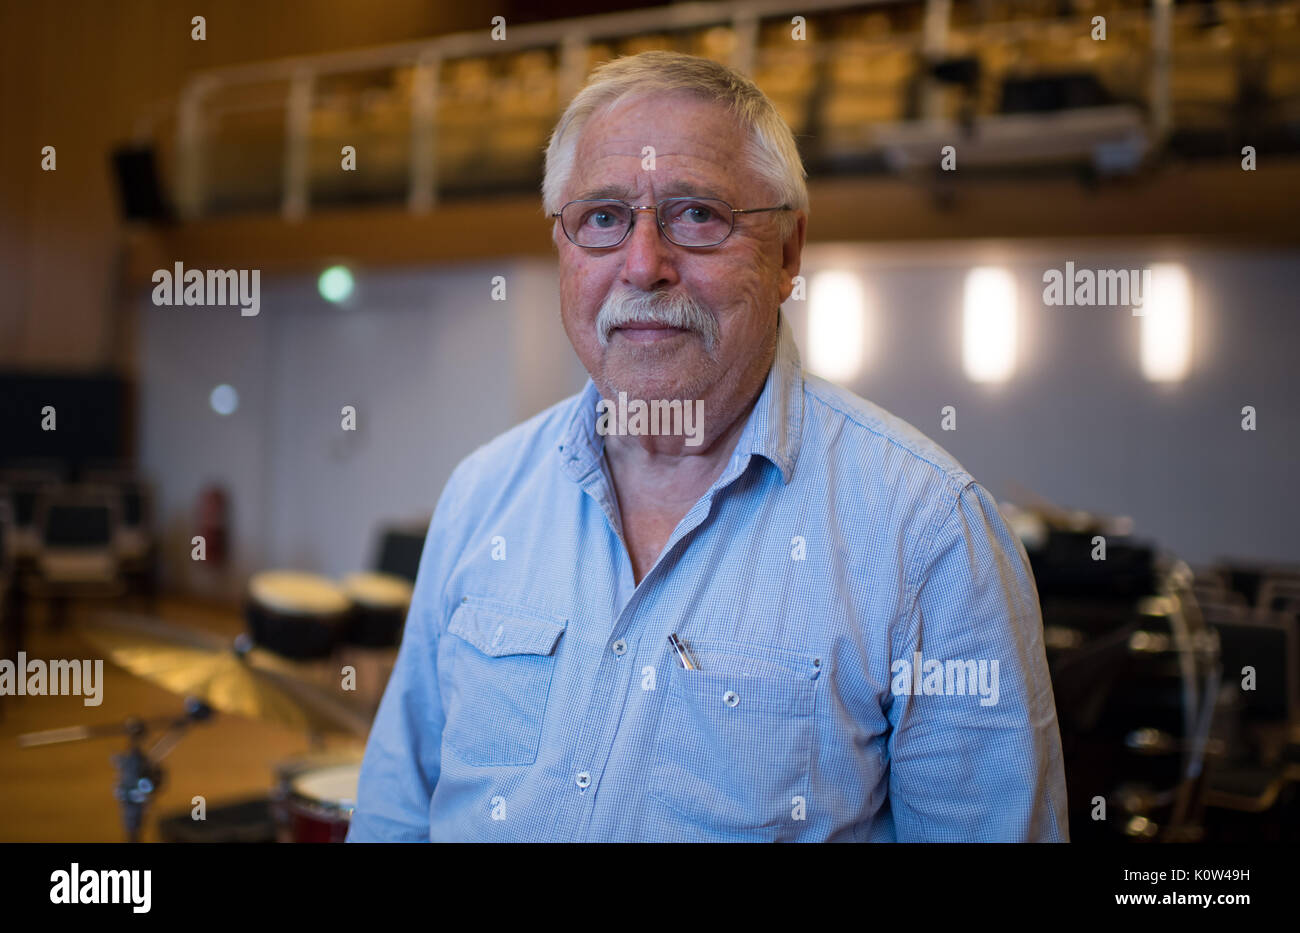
(648, 261)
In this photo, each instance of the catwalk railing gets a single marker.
(867, 85)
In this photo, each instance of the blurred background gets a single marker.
(172, 478)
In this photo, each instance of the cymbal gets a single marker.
(230, 675)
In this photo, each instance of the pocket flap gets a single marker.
(499, 633)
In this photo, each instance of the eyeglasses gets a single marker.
(602, 223)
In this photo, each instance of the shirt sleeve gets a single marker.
(403, 754)
(975, 749)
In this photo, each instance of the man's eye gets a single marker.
(601, 219)
(693, 213)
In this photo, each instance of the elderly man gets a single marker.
(794, 618)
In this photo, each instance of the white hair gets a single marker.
(771, 152)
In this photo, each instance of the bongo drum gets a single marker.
(297, 615)
(380, 602)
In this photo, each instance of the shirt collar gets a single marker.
(774, 428)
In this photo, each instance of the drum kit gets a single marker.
(314, 797)
(1135, 672)
(276, 673)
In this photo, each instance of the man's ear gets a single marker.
(792, 253)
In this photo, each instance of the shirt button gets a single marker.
(583, 780)
(730, 698)
(620, 647)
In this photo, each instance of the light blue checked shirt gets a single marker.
(535, 695)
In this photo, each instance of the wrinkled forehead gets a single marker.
(697, 147)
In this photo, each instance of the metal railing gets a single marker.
(297, 81)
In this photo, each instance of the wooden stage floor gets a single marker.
(64, 793)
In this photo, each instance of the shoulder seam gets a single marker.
(924, 554)
(942, 516)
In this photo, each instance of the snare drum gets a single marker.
(297, 615)
(315, 797)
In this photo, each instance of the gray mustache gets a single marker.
(670, 310)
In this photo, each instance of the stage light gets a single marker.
(836, 325)
(989, 325)
(1167, 325)
(224, 399)
(335, 284)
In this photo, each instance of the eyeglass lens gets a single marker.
(686, 221)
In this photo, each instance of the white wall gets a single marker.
(432, 365)
(184, 446)
(435, 368)
(1077, 423)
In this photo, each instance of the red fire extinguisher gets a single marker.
(213, 524)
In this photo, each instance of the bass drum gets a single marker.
(315, 796)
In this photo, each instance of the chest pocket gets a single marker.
(735, 741)
(502, 661)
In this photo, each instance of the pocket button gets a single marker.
(755, 708)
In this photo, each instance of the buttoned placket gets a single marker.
(618, 665)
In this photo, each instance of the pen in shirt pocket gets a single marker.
(683, 655)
